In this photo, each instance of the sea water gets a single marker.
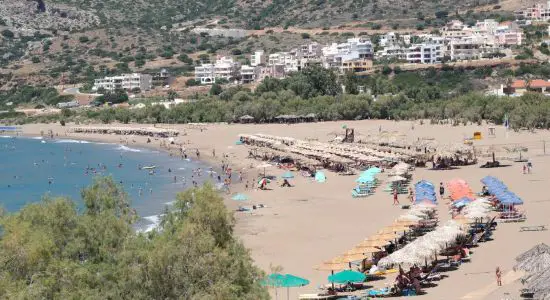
(33, 167)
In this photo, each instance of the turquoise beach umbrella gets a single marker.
(347, 276)
(320, 177)
(238, 143)
(279, 280)
(240, 197)
(364, 179)
(287, 175)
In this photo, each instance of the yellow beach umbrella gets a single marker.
(336, 264)
(372, 243)
(364, 250)
(404, 223)
(389, 236)
(393, 229)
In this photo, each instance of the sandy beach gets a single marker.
(313, 222)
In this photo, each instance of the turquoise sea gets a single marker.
(33, 167)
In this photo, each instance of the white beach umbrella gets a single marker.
(397, 179)
(408, 217)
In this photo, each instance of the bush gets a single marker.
(7, 34)
(192, 82)
(305, 35)
(376, 26)
(216, 89)
(83, 39)
(35, 59)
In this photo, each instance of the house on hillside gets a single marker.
(520, 87)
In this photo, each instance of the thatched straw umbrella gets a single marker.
(538, 249)
(534, 263)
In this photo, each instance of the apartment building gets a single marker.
(258, 58)
(289, 62)
(354, 48)
(389, 39)
(391, 52)
(455, 28)
(424, 54)
(249, 74)
(224, 67)
(537, 12)
(162, 78)
(126, 82)
(471, 47)
(356, 65)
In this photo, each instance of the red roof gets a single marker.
(539, 83)
(518, 84)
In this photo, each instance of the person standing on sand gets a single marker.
(441, 190)
(524, 169)
(213, 152)
(498, 273)
(395, 200)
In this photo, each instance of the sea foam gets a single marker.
(128, 149)
(71, 142)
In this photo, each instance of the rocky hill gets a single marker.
(51, 41)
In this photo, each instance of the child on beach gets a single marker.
(498, 273)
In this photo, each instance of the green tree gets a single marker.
(216, 89)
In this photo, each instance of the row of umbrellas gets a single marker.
(500, 191)
(425, 247)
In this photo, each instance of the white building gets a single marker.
(127, 82)
(471, 47)
(388, 39)
(258, 58)
(249, 74)
(289, 62)
(354, 48)
(391, 52)
(455, 28)
(424, 54)
(223, 68)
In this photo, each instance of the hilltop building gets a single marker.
(126, 82)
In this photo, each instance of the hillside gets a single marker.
(67, 41)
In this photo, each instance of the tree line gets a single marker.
(52, 250)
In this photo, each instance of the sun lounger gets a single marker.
(316, 296)
(356, 194)
(533, 228)
(384, 292)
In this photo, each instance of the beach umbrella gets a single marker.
(393, 229)
(409, 217)
(538, 249)
(240, 197)
(278, 280)
(535, 263)
(264, 166)
(397, 178)
(350, 257)
(425, 203)
(263, 181)
(347, 276)
(320, 177)
(238, 143)
(405, 223)
(288, 175)
(363, 250)
(372, 243)
(461, 202)
(364, 180)
(388, 236)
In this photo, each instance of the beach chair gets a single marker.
(380, 293)
(533, 228)
(356, 194)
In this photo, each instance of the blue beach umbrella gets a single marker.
(462, 202)
(288, 175)
(364, 179)
(240, 197)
